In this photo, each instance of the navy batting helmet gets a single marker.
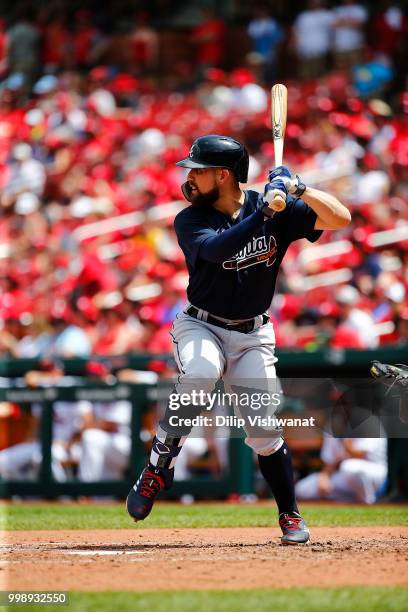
(215, 151)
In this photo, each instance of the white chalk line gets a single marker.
(103, 552)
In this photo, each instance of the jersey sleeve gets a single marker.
(299, 220)
(191, 233)
(198, 241)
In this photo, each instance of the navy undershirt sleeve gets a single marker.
(219, 247)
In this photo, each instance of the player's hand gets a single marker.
(294, 185)
(279, 172)
(274, 189)
(325, 485)
(32, 378)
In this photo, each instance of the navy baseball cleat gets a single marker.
(294, 529)
(143, 494)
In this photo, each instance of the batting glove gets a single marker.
(279, 172)
(294, 184)
(272, 190)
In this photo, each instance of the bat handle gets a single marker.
(277, 204)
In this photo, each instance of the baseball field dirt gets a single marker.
(202, 558)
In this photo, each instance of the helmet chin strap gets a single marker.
(187, 191)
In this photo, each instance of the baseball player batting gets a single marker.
(234, 241)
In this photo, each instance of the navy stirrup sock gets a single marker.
(278, 473)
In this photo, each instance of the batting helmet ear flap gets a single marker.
(186, 190)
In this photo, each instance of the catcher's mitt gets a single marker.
(390, 375)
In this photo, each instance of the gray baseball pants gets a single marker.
(205, 353)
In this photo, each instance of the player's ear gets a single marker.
(222, 175)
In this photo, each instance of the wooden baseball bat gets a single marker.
(279, 111)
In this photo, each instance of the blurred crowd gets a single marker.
(89, 262)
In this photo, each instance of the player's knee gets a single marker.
(351, 467)
(204, 380)
(202, 372)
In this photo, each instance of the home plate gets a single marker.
(105, 552)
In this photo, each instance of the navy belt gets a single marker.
(244, 328)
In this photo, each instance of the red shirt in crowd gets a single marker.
(83, 41)
(209, 40)
(55, 44)
(389, 30)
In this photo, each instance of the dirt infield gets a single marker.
(154, 559)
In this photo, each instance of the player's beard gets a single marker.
(206, 199)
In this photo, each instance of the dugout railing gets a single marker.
(328, 362)
(239, 476)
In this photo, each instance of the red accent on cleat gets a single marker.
(294, 529)
(150, 484)
(143, 494)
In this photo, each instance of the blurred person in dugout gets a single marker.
(105, 433)
(203, 455)
(354, 470)
(23, 460)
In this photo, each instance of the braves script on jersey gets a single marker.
(241, 285)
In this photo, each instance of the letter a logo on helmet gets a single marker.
(194, 151)
(215, 151)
